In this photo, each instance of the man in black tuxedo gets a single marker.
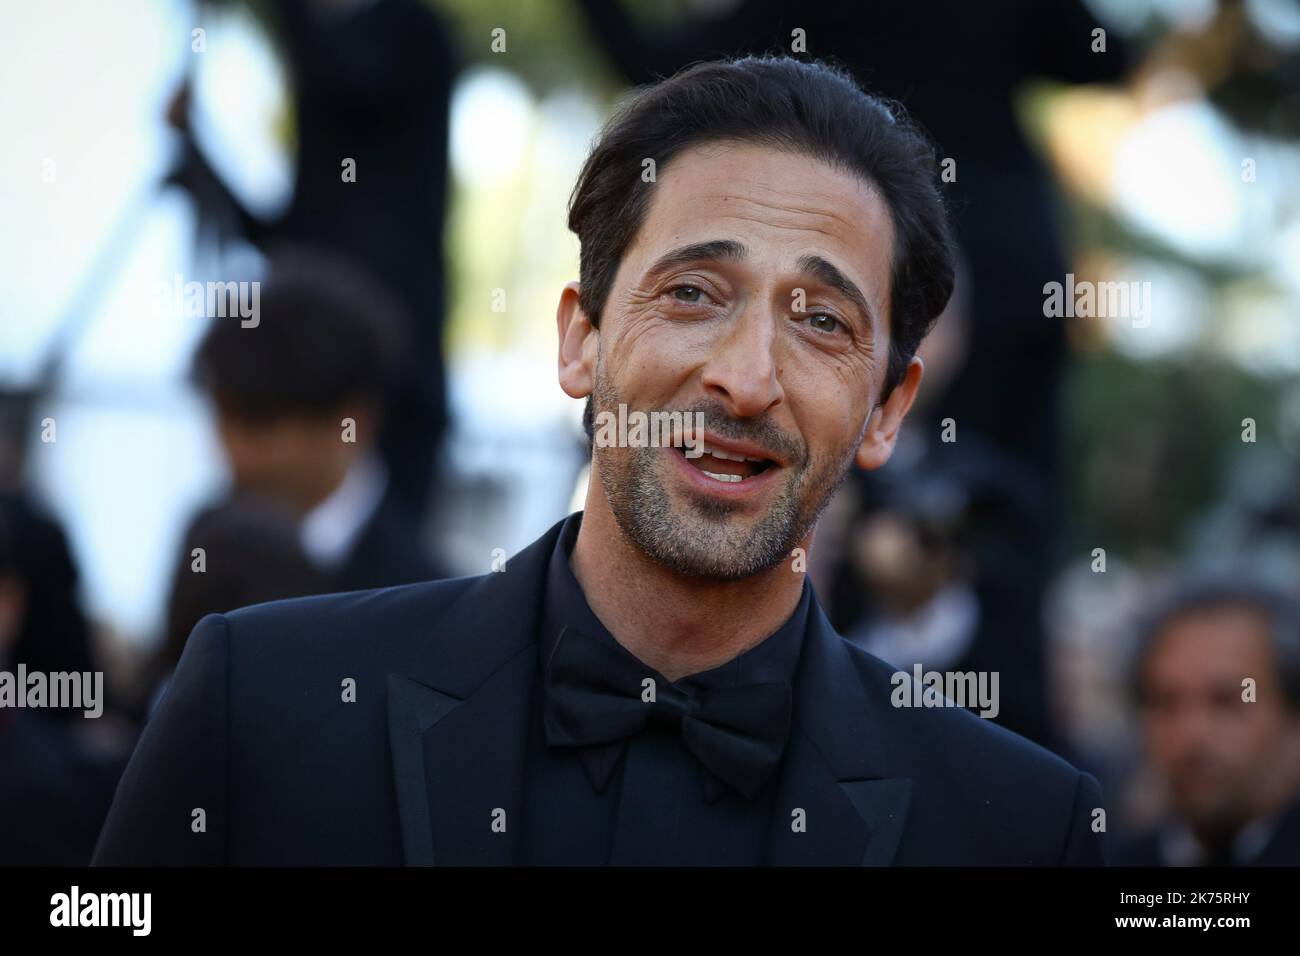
(652, 681)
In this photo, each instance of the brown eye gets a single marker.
(693, 293)
(823, 322)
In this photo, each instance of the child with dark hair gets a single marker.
(298, 394)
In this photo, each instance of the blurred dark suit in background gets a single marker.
(53, 634)
(239, 552)
(56, 782)
(372, 83)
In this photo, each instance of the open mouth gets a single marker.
(726, 466)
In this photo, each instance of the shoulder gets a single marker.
(386, 621)
(974, 780)
(306, 674)
(951, 734)
(451, 629)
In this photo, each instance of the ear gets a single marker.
(578, 342)
(885, 420)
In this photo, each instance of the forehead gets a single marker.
(1231, 640)
(781, 204)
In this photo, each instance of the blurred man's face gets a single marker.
(899, 569)
(296, 459)
(1216, 752)
(779, 334)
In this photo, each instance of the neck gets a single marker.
(675, 623)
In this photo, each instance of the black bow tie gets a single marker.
(596, 693)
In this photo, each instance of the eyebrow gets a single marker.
(830, 275)
(825, 271)
(719, 249)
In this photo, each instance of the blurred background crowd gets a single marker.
(1103, 509)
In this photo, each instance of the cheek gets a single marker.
(651, 361)
(1172, 740)
(303, 450)
(273, 451)
(828, 398)
(1259, 731)
(241, 448)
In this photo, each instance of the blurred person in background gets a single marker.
(1227, 752)
(56, 777)
(299, 404)
(930, 575)
(937, 563)
(53, 633)
(371, 82)
(241, 552)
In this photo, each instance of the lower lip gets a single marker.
(731, 490)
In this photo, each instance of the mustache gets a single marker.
(760, 431)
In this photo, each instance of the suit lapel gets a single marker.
(412, 709)
(837, 769)
(459, 711)
(458, 719)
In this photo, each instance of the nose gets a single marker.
(742, 369)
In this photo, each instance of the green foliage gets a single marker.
(1147, 444)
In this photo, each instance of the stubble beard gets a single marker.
(706, 538)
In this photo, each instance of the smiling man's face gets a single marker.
(757, 291)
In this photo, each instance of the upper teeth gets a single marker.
(727, 456)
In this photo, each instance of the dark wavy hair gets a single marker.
(329, 332)
(1207, 592)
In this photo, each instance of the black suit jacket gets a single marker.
(254, 732)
